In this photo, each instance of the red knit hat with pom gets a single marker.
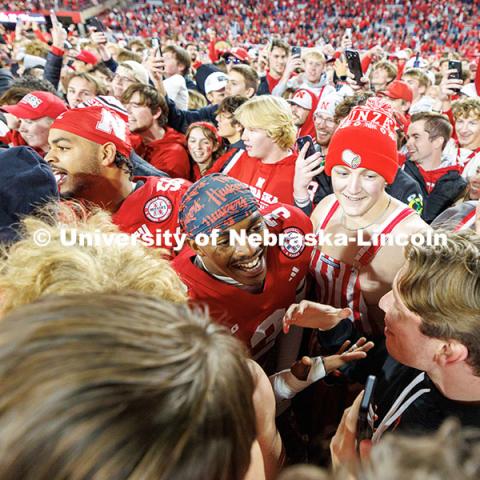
(366, 139)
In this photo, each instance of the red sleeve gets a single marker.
(212, 51)
(477, 77)
(401, 68)
(366, 61)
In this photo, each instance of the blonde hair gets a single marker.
(28, 271)
(441, 284)
(272, 114)
(196, 100)
(419, 75)
(466, 108)
(313, 53)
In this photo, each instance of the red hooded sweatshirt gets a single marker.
(168, 154)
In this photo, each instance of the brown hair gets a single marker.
(278, 43)
(124, 55)
(100, 89)
(249, 75)
(441, 284)
(181, 55)
(208, 132)
(122, 387)
(149, 97)
(436, 125)
(230, 105)
(13, 95)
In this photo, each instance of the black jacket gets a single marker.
(446, 191)
(263, 87)
(181, 119)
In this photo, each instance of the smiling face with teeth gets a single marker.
(245, 264)
(358, 190)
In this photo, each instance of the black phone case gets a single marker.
(354, 64)
(301, 141)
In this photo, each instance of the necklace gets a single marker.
(370, 224)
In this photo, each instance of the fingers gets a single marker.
(301, 368)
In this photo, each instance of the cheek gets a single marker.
(374, 189)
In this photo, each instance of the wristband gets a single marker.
(57, 51)
(286, 385)
(301, 202)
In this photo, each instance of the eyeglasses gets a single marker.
(325, 121)
(233, 60)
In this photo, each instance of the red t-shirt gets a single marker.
(255, 318)
(269, 182)
(152, 209)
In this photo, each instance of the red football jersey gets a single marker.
(256, 318)
(270, 183)
(152, 209)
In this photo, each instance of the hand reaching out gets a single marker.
(314, 315)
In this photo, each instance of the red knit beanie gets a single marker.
(366, 139)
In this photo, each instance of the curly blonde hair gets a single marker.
(467, 107)
(272, 114)
(29, 271)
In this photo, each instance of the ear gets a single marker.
(216, 146)
(438, 143)
(249, 92)
(107, 154)
(450, 352)
(157, 115)
(210, 97)
(193, 245)
(238, 127)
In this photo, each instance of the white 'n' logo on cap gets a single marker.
(112, 124)
(352, 159)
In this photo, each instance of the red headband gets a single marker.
(97, 124)
(210, 127)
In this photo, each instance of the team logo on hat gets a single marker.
(352, 159)
(32, 100)
(158, 209)
(293, 242)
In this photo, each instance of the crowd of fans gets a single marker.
(212, 238)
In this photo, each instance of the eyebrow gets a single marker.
(61, 139)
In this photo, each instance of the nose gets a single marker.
(49, 157)
(354, 184)
(245, 249)
(386, 301)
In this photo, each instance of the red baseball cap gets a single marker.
(398, 89)
(239, 53)
(36, 105)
